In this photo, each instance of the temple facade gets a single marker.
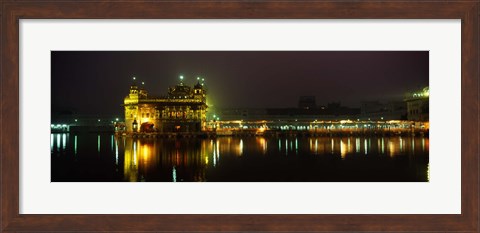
(183, 109)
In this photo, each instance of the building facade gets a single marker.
(418, 105)
(183, 109)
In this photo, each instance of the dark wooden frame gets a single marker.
(12, 11)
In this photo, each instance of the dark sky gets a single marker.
(91, 82)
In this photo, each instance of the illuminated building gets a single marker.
(417, 105)
(183, 109)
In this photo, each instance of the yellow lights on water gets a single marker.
(343, 149)
(240, 147)
(263, 144)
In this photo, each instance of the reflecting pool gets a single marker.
(105, 158)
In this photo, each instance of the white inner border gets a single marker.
(440, 196)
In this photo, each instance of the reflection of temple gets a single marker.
(164, 160)
(182, 110)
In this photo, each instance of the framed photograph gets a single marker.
(239, 116)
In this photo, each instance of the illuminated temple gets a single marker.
(183, 109)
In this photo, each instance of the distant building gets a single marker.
(307, 102)
(418, 105)
(183, 109)
(375, 110)
(336, 111)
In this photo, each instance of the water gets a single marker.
(105, 158)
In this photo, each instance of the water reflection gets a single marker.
(249, 158)
(75, 145)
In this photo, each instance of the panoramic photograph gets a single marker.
(239, 116)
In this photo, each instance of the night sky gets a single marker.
(95, 82)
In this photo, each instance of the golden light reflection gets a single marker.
(190, 158)
(239, 148)
(263, 144)
(343, 149)
(391, 148)
(333, 146)
(145, 152)
(130, 169)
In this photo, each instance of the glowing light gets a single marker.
(198, 78)
(181, 77)
(76, 120)
(218, 150)
(401, 144)
(332, 145)
(174, 174)
(413, 146)
(116, 151)
(98, 143)
(135, 153)
(145, 152)
(75, 145)
(143, 83)
(365, 145)
(98, 120)
(343, 149)
(216, 153)
(391, 148)
(51, 142)
(241, 146)
(134, 78)
(286, 146)
(58, 141)
(116, 119)
(423, 144)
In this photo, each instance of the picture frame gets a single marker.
(13, 11)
